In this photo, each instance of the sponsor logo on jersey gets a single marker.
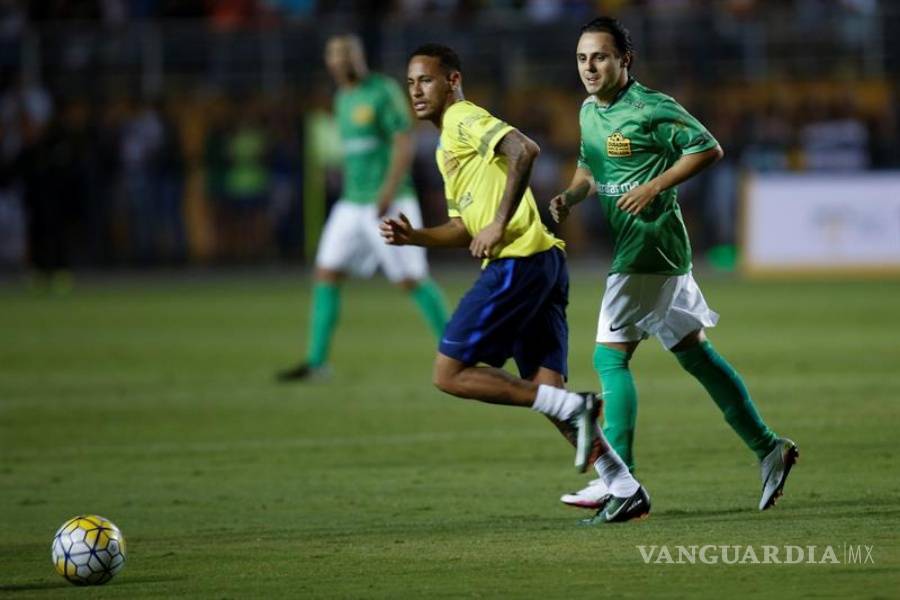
(464, 202)
(360, 145)
(363, 114)
(615, 189)
(618, 145)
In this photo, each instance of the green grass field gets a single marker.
(152, 402)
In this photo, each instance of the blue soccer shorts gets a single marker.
(516, 308)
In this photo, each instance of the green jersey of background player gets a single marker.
(637, 144)
(377, 142)
(365, 112)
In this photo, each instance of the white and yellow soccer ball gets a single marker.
(88, 550)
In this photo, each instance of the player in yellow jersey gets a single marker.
(517, 307)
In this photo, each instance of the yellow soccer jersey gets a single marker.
(475, 177)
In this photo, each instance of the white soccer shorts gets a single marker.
(636, 306)
(351, 242)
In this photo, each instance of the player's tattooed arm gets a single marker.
(520, 152)
(400, 232)
(581, 187)
(684, 168)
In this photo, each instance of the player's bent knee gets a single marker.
(407, 285)
(443, 383)
(689, 341)
(444, 375)
(608, 358)
(446, 382)
(328, 276)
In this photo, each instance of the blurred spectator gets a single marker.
(245, 189)
(12, 215)
(170, 231)
(103, 210)
(26, 111)
(140, 146)
(292, 8)
(285, 213)
(12, 20)
(55, 174)
(779, 102)
(216, 164)
(231, 14)
(771, 136)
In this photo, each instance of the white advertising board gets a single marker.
(822, 223)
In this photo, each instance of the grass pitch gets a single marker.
(152, 402)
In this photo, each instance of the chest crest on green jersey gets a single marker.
(363, 114)
(618, 145)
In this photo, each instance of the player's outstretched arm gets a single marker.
(683, 169)
(520, 152)
(581, 187)
(400, 232)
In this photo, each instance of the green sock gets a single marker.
(427, 295)
(619, 400)
(729, 392)
(323, 318)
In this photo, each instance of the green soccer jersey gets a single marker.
(368, 116)
(626, 144)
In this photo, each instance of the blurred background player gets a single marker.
(517, 307)
(636, 146)
(375, 129)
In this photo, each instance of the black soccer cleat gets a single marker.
(619, 510)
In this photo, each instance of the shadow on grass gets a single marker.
(24, 587)
(704, 514)
(50, 585)
(799, 508)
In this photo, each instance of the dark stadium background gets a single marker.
(125, 122)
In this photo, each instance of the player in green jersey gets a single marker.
(637, 144)
(376, 133)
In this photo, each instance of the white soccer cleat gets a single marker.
(592, 497)
(585, 424)
(775, 468)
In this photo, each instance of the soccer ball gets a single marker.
(88, 550)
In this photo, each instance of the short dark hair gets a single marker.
(448, 58)
(612, 26)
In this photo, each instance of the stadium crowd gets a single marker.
(236, 13)
(201, 171)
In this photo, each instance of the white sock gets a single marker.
(599, 482)
(556, 402)
(616, 475)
